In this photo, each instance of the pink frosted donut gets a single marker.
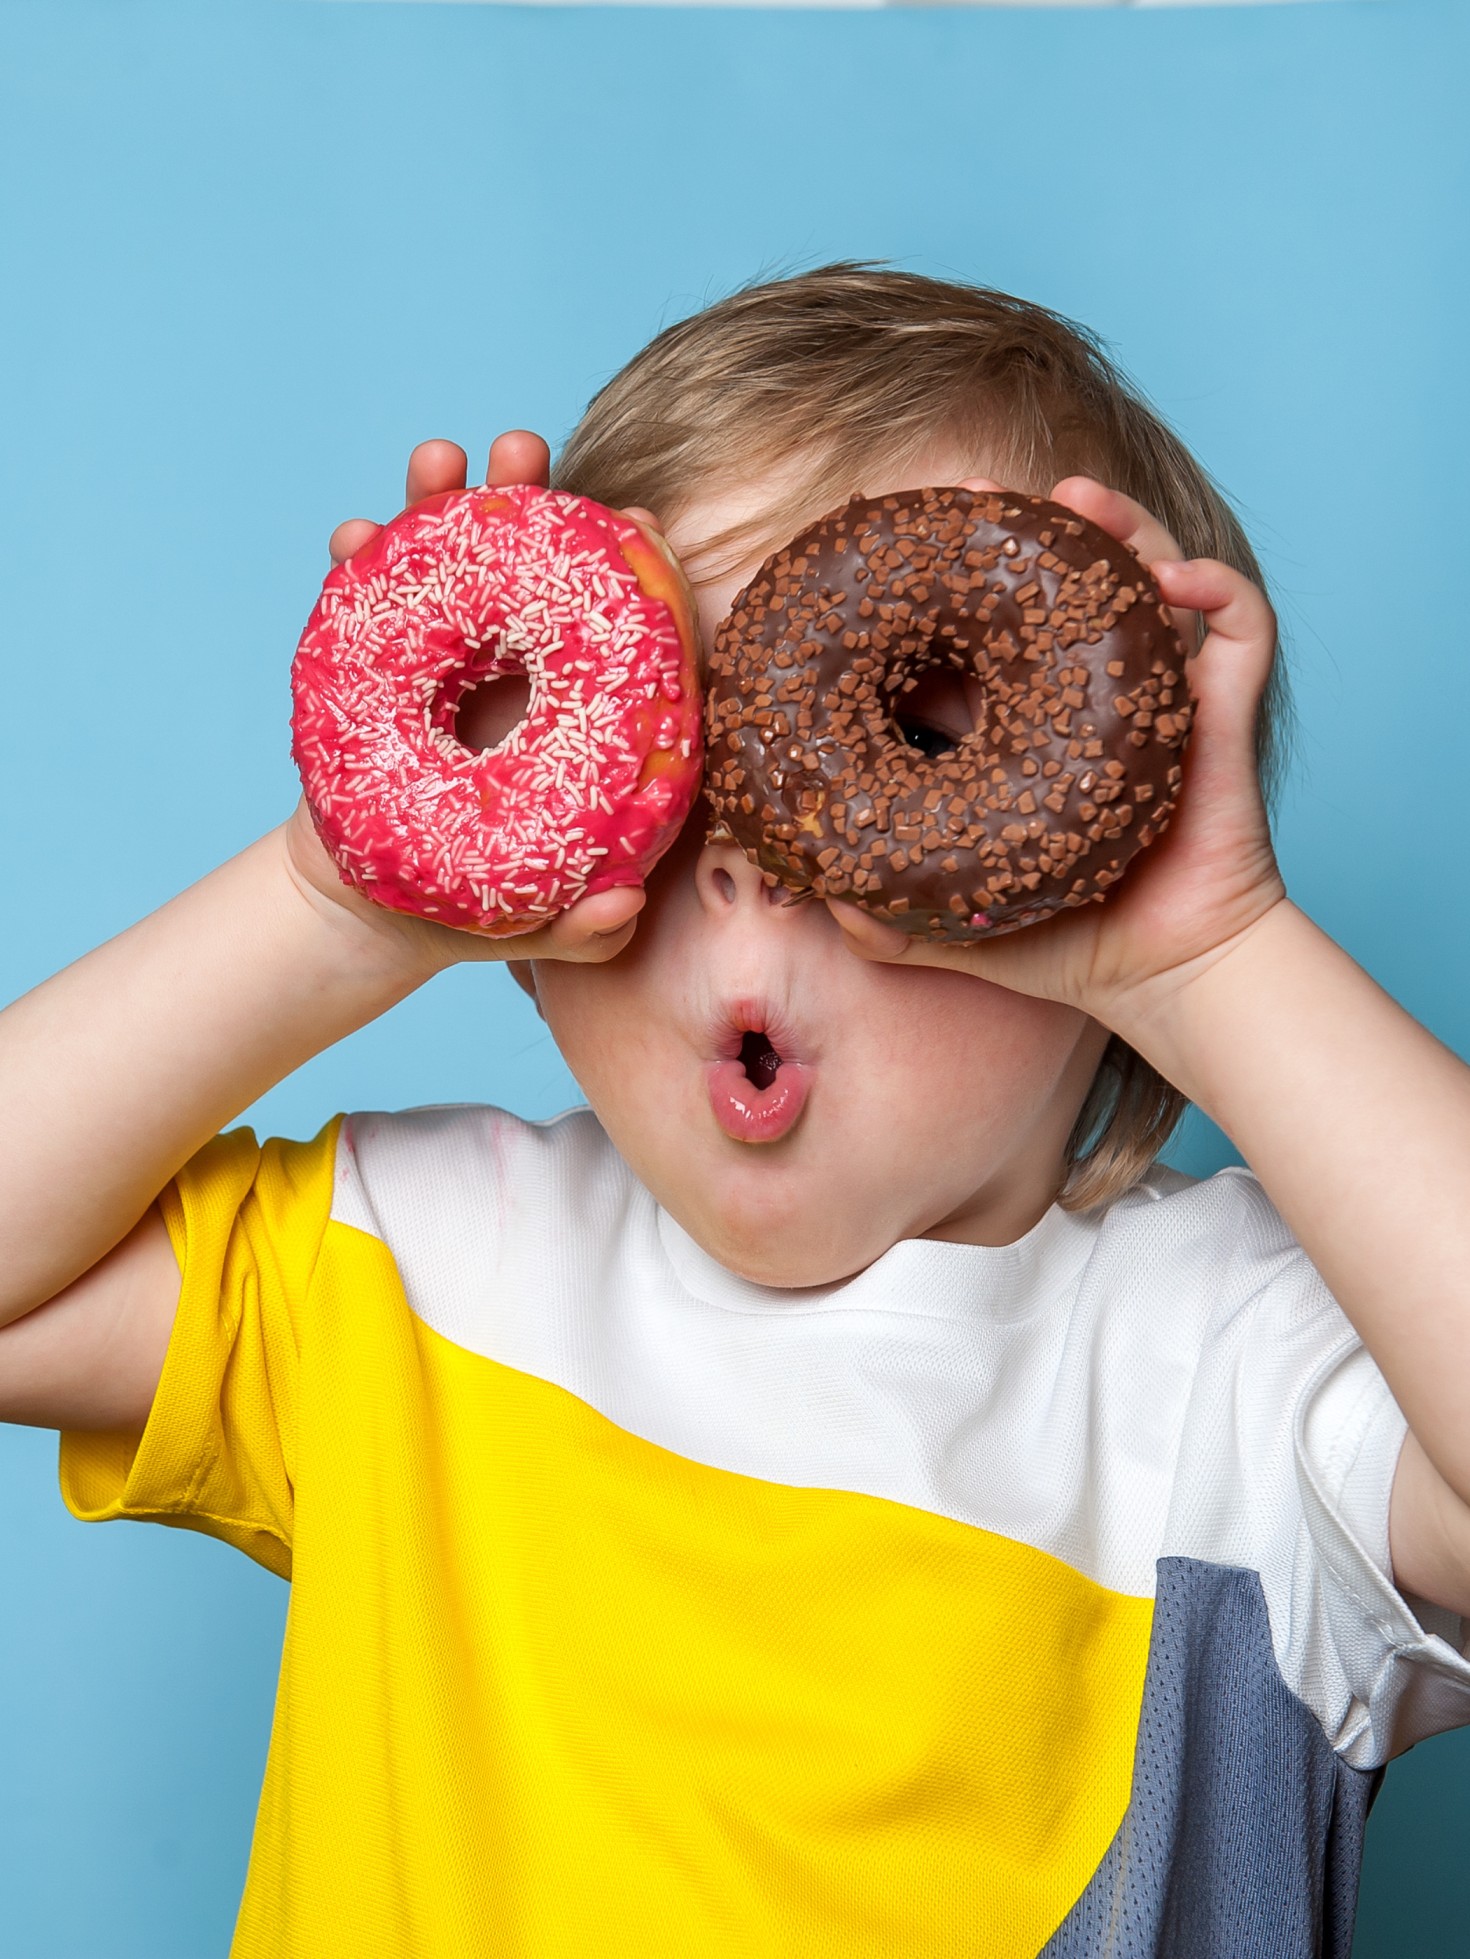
(585, 793)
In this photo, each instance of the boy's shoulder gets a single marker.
(1170, 1202)
(455, 1187)
(1218, 1237)
(440, 1160)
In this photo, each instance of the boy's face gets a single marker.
(796, 1108)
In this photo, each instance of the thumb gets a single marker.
(867, 936)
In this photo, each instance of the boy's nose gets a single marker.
(727, 881)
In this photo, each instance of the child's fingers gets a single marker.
(1233, 606)
(1119, 516)
(593, 929)
(434, 467)
(868, 935)
(978, 483)
(1134, 527)
(350, 537)
(518, 456)
(1233, 665)
(871, 939)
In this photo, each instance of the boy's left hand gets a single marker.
(1212, 875)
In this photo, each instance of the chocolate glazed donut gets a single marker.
(1074, 765)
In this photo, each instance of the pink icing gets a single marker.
(585, 793)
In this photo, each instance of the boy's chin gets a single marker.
(781, 1274)
(789, 1251)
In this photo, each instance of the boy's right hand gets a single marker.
(593, 929)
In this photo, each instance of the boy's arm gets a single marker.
(1357, 1121)
(1355, 1118)
(116, 1071)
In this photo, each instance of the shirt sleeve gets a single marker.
(1402, 1659)
(1292, 1440)
(218, 1451)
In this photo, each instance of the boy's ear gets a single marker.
(523, 972)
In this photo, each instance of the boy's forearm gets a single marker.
(114, 1072)
(1357, 1122)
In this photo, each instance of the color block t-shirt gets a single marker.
(996, 1602)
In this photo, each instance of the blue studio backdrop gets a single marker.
(253, 252)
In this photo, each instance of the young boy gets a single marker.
(935, 1530)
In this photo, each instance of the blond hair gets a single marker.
(822, 377)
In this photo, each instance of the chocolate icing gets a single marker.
(1074, 768)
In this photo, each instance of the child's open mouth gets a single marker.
(756, 1092)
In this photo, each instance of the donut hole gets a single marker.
(489, 709)
(930, 742)
(942, 707)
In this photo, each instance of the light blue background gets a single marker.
(251, 253)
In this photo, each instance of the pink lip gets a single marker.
(757, 1115)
